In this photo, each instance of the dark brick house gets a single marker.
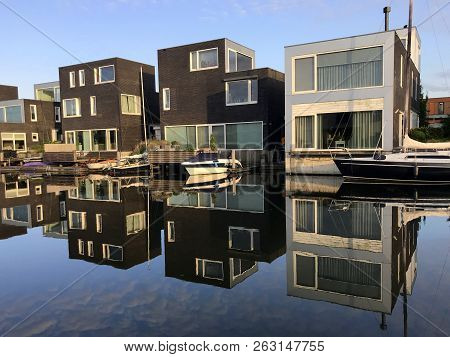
(213, 89)
(26, 123)
(102, 105)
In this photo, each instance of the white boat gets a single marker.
(101, 165)
(207, 164)
(210, 182)
(127, 163)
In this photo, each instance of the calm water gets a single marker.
(244, 257)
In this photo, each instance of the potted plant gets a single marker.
(212, 143)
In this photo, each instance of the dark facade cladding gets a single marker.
(136, 247)
(8, 92)
(44, 124)
(202, 234)
(400, 90)
(109, 111)
(199, 96)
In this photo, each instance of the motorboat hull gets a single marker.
(395, 171)
(219, 166)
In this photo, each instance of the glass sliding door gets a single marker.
(184, 135)
(244, 136)
(218, 131)
(83, 142)
(203, 137)
(99, 140)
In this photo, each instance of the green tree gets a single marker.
(422, 108)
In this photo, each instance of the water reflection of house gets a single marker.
(26, 202)
(218, 238)
(108, 222)
(349, 252)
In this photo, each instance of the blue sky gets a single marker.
(135, 29)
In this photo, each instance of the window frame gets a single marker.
(314, 56)
(39, 213)
(142, 224)
(72, 79)
(243, 54)
(93, 105)
(90, 250)
(81, 78)
(252, 238)
(97, 75)
(80, 243)
(77, 106)
(38, 190)
(108, 140)
(203, 261)
(137, 99)
(57, 114)
(35, 137)
(165, 106)
(171, 235)
(316, 265)
(33, 112)
(98, 222)
(197, 59)
(249, 92)
(83, 220)
(14, 140)
(107, 253)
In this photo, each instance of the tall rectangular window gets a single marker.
(72, 79)
(350, 69)
(166, 98)
(58, 114)
(304, 132)
(304, 74)
(401, 71)
(104, 74)
(241, 92)
(80, 247)
(90, 245)
(99, 222)
(441, 108)
(93, 100)
(131, 104)
(33, 112)
(39, 213)
(71, 107)
(204, 59)
(81, 77)
(171, 231)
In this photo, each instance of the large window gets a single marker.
(352, 130)
(135, 222)
(93, 140)
(131, 104)
(204, 59)
(51, 94)
(104, 74)
(77, 220)
(209, 269)
(243, 239)
(14, 141)
(71, 107)
(17, 214)
(244, 136)
(350, 69)
(229, 136)
(11, 114)
(19, 188)
(339, 70)
(241, 92)
(112, 252)
(98, 190)
(238, 61)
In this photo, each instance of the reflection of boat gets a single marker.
(126, 164)
(208, 163)
(210, 182)
(405, 167)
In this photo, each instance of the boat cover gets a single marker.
(204, 156)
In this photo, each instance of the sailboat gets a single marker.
(416, 163)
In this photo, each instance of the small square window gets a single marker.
(35, 137)
(38, 190)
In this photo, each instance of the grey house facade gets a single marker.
(347, 94)
(212, 89)
(102, 105)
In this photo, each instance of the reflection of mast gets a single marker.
(406, 122)
(405, 295)
(383, 324)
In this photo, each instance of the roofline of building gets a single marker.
(107, 59)
(200, 42)
(347, 37)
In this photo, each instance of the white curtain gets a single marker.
(304, 132)
(366, 130)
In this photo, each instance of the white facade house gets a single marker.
(346, 95)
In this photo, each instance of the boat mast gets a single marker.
(143, 109)
(406, 117)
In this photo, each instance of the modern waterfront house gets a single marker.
(108, 223)
(102, 105)
(438, 110)
(351, 252)
(347, 95)
(213, 90)
(27, 123)
(218, 238)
